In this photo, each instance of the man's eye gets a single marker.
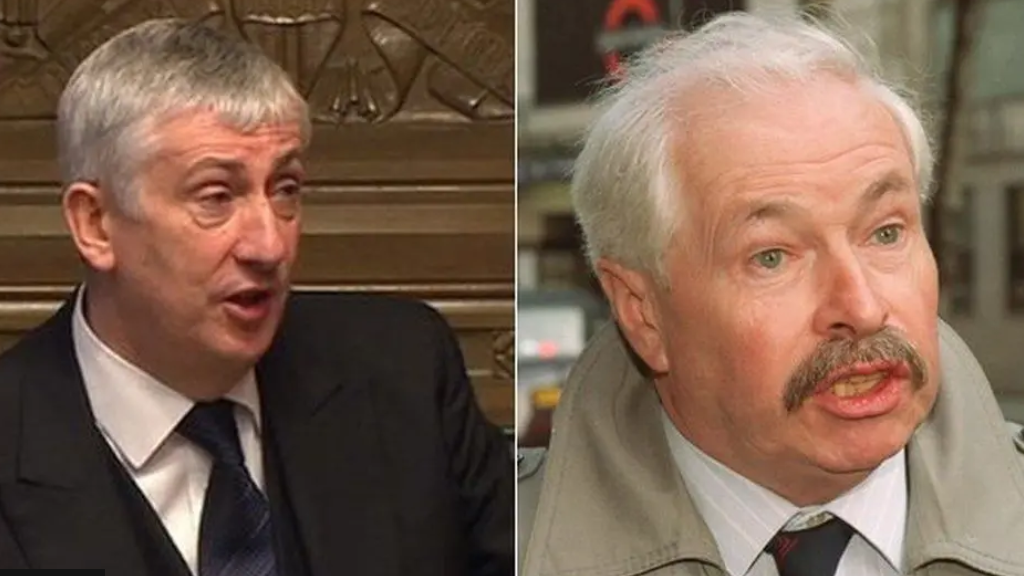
(214, 205)
(287, 198)
(216, 199)
(889, 234)
(769, 259)
(288, 190)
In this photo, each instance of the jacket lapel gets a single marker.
(63, 503)
(327, 462)
(326, 466)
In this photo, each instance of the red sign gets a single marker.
(615, 19)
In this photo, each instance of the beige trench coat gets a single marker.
(606, 499)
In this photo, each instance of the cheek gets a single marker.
(764, 351)
(918, 279)
(755, 350)
(928, 284)
(202, 256)
(913, 302)
(193, 261)
(147, 260)
(293, 236)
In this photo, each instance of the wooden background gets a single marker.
(411, 168)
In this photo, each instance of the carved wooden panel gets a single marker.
(411, 167)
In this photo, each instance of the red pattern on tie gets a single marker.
(812, 551)
(785, 544)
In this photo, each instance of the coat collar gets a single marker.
(613, 505)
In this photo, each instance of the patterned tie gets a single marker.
(234, 536)
(811, 552)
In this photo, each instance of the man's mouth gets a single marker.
(853, 371)
(250, 297)
(861, 379)
(856, 385)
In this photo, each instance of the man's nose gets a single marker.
(850, 305)
(262, 239)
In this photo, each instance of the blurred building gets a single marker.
(565, 47)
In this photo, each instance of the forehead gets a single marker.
(829, 133)
(191, 136)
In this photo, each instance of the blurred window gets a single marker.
(1015, 248)
(960, 252)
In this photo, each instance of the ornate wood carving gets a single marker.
(504, 354)
(354, 60)
(411, 165)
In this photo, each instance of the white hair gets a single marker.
(114, 101)
(625, 185)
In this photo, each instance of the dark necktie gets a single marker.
(811, 552)
(234, 535)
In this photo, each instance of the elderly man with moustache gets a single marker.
(777, 394)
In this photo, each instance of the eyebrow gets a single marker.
(891, 182)
(293, 156)
(238, 167)
(227, 164)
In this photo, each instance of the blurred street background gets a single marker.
(965, 59)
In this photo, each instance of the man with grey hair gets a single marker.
(777, 394)
(185, 412)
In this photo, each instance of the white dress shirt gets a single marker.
(744, 517)
(138, 415)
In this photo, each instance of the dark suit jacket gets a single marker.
(378, 459)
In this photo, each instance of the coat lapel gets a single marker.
(330, 464)
(966, 478)
(63, 503)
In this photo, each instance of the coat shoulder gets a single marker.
(530, 465)
(359, 312)
(529, 461)
(364, 325)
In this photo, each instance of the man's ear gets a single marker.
(88, 217)
(634, 302)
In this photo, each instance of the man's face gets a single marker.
(204, 268)
(799, 330)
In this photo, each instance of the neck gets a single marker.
(814, 487)
(802, 486)
(188, 372)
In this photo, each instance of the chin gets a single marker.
(861, 445)
(246, 347)
(864, 447)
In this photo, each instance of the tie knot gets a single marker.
(211, 425)
(814, 551)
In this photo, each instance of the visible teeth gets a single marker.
(856, 385)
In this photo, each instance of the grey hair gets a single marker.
(116, 97)
(625, 187)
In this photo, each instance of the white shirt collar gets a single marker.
(133, 409)
(744, 516)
